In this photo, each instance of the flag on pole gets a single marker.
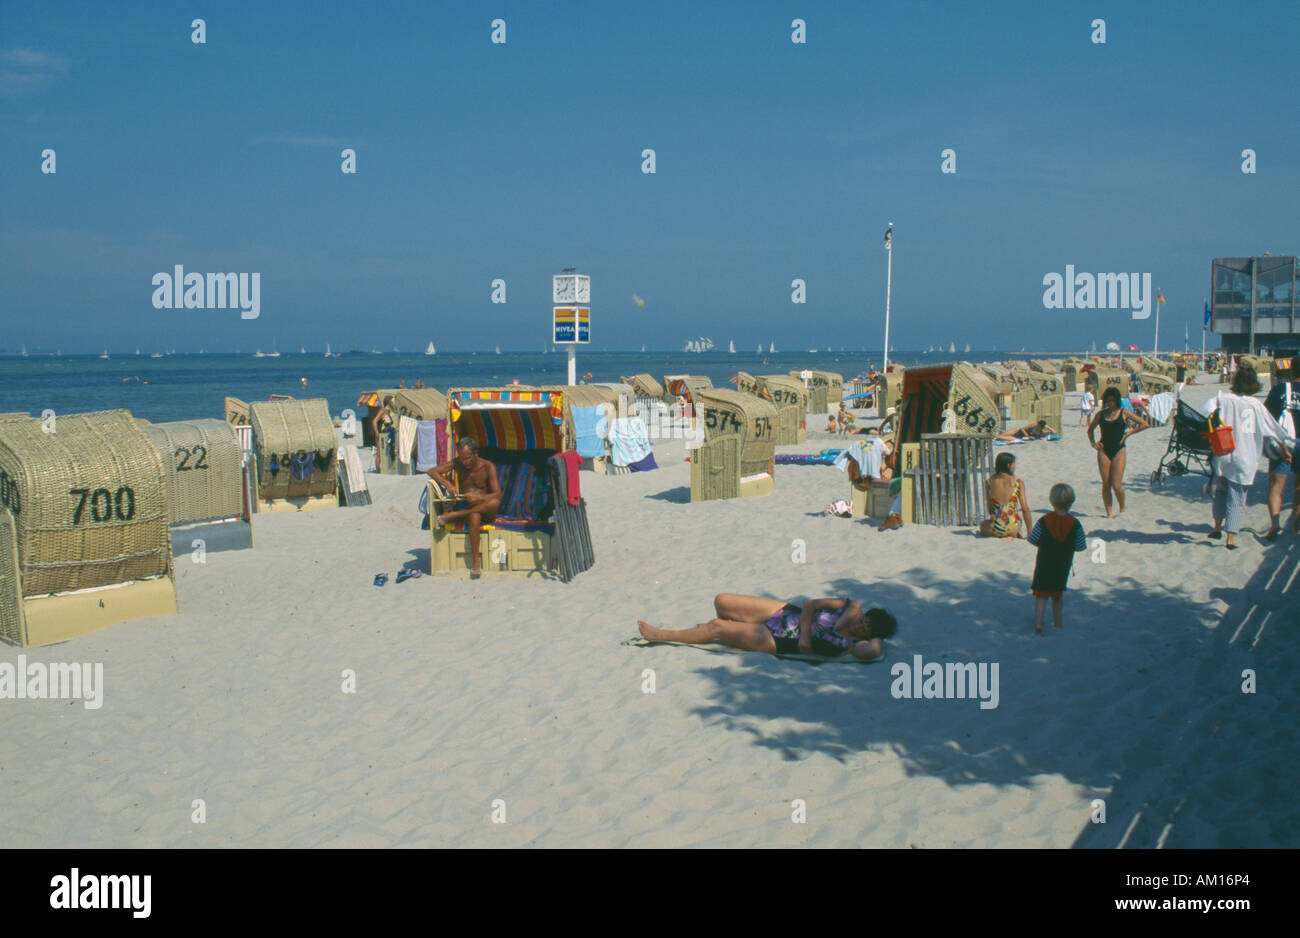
(1207, 314)
(1160, 297)
(889, 239)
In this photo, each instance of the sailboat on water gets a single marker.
(104, 354)
(433, 351)
(952, 348)
(759, 350)
(327, 350)
(498, 350)
(771, 350)
(968, 348)
(23, 353)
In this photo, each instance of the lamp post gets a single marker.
(889, 283)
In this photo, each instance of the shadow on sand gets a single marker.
(1153, 755)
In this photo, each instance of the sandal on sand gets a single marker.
(407, 573)
(381, 579)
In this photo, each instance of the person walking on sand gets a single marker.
(1086, 405)
(827, 627)
(1058, 537)
(1234, 472)
(1117, 425)
(1283, 402)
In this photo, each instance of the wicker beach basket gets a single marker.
(730, 413)
(204, 469)
(746, 383)
(87, 501)
(236, 411)
(968, 397)
(283, 430)
(1153, 383)
(420, 403)
(644, 385)
(790, 399)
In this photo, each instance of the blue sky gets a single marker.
(775, 161)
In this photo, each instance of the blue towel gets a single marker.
(645, 465)
(589, 428)
(426, 445)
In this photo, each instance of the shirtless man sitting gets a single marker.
(479, 494)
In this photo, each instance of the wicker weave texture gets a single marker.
(88, 500)
(730, 413)
(284, 430)
(204, 469)
(11, 600)
(975, 410)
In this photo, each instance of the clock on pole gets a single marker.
(571, 314)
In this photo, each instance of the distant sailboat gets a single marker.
(302, 350)
(643, 348)
(23, 353)
(433, 351)
(771, 349)
(104, 354)
(259, 354)
(498, 350)
(731, 347)
(968, 347)
(154, 354)
(327, 350)
(952, 348)
(759, 350)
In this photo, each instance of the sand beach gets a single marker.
(507, 712)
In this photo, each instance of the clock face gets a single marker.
(584, 289)
(563, 288)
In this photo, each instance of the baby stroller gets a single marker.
(1188, 450)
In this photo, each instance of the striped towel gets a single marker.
(629, 440)
(406, 427)
(356, 476)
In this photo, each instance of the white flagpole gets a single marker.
(1155, 352)
(889, 285)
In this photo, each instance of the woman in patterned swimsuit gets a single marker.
(828, 627)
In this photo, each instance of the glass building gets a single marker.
(1254, 304)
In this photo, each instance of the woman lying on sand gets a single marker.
(828, 627)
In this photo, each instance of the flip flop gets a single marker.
(407, 573)
(381, 579)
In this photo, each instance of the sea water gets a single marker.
(188, 387)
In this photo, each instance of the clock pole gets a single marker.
(573, 365)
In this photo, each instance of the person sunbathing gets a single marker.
(827, 627)
(478, 494)
(1030, 431)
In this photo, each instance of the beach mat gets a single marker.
(720, 647)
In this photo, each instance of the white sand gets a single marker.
(519, 689)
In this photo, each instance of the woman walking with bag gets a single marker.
(1250, 424)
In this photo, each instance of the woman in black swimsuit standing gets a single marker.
(1115, 429)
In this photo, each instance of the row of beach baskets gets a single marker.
(88, 501)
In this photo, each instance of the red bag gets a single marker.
(1221, 443)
